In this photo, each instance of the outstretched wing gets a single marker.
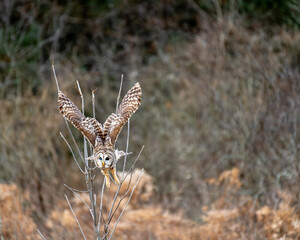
(89, 127)
(130, 103)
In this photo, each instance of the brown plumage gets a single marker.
(103, 138)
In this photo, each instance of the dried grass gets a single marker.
(15, 214)
(144, 220)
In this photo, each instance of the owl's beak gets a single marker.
(103, 164)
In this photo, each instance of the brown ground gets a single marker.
(231, 216)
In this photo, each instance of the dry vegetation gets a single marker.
(15, 212)
(231, 216)
(220, 93)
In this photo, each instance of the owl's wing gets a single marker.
(130, 103)
(89, 127)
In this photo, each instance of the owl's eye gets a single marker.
(100, 158)
(107, 158)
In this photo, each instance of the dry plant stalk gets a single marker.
(88, 170)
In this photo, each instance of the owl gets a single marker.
(103, 137)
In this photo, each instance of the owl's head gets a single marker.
(105, 159)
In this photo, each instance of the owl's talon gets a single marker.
(107, 180)
(107, 183)
(114, 174)
(103, 137)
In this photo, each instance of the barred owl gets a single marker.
(103, 137)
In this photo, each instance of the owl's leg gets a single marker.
(105, 172)
(114, 174)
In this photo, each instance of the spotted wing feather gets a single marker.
(115, 122)
(89, 127)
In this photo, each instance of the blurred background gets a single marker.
(219, 119)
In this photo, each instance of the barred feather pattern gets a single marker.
(90, 127)
(113, 125)
(103, 138)
(107, 125)
(115, 122)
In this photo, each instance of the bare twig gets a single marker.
(126, 192)
(120, 89)
(125, 158)
(101, 202)
(139, 178)
(41, 234)
(73, 139)
(82, 109)
(94, 114)
(75, 217)
(53, 70)
(57, 85)
(77, 190)
(93, 203)
(132, 166)
(88, 176)
(80, 199)
(128, 185)
(121, 199)
(93, 101)
(126, 152)
(71, 152)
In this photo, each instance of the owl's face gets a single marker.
(105, 159)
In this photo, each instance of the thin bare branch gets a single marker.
(119, 94)
(108, 196)
(94, 113)
(121, 199)
(71, 152)
(53, 70)
(73, 139)
(124, 195)
(80, 92)
(93, 102)
(75, 217)
(82, 109)
(101, 202)
(93, 203)
(106, 233)
(125, 158)
(39, 232)
(140, 175)
(88, 177)
(80, 199)
(126, 152)
(76, 190)
(132, 166)
(57, 85)
(129, 182)
(130, 171)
